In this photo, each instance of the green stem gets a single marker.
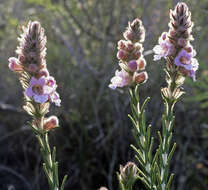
(170, 96)
(50, 166)
(144, 141)
(165, 146)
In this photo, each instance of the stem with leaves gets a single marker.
(50, 165)
(170, 95)
(142, 134)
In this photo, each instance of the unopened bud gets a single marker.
(140, 77)
(51, 123)
(172, 33)
(129, 46)
(123, 55)
(35, 26)
(164, 36)
(132, 65)
(137, 54)
(182, 42)
(128, 174)
(142, 64)
(129, 35)
(43, 72)
(138, 46)
(14, 64)
(21, 58)
(189, 49)
(121, 44)
(32, 68)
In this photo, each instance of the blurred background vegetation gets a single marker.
(95, 131)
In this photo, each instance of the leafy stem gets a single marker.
(50, 165)
(144, 141)
(170, 95)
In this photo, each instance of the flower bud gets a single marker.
(172, 33)
(138, 46)
(14, 64)
(189, 49)
(43, 72)
(33, 68)
(121, 44)
(137, 54)
(51, 81)
(129, 46)
(123, 55)
(132, 65)
(140, 77)
(129, 35)
(142, 64)
(164, 36)
(51, 123)
(182, 42)
(128, 174)
(21, 58)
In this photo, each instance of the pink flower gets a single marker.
(36, 89)
(121, 79)
(55, 98)
(14, 64)
(164, 49)
(183, 59)
(43, 90)
(189, 64)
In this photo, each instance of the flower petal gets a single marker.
(40, 98)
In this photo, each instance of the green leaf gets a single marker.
(63, 182)
(171, 152)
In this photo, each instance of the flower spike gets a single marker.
(175, 45)
(39, 92)
(130, 57)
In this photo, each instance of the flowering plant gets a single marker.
(180, 62)
(39, 92)
(131, 60)
(179, 54)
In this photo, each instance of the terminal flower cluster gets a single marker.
(175, 44)
(39, 87)
(131, 60)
